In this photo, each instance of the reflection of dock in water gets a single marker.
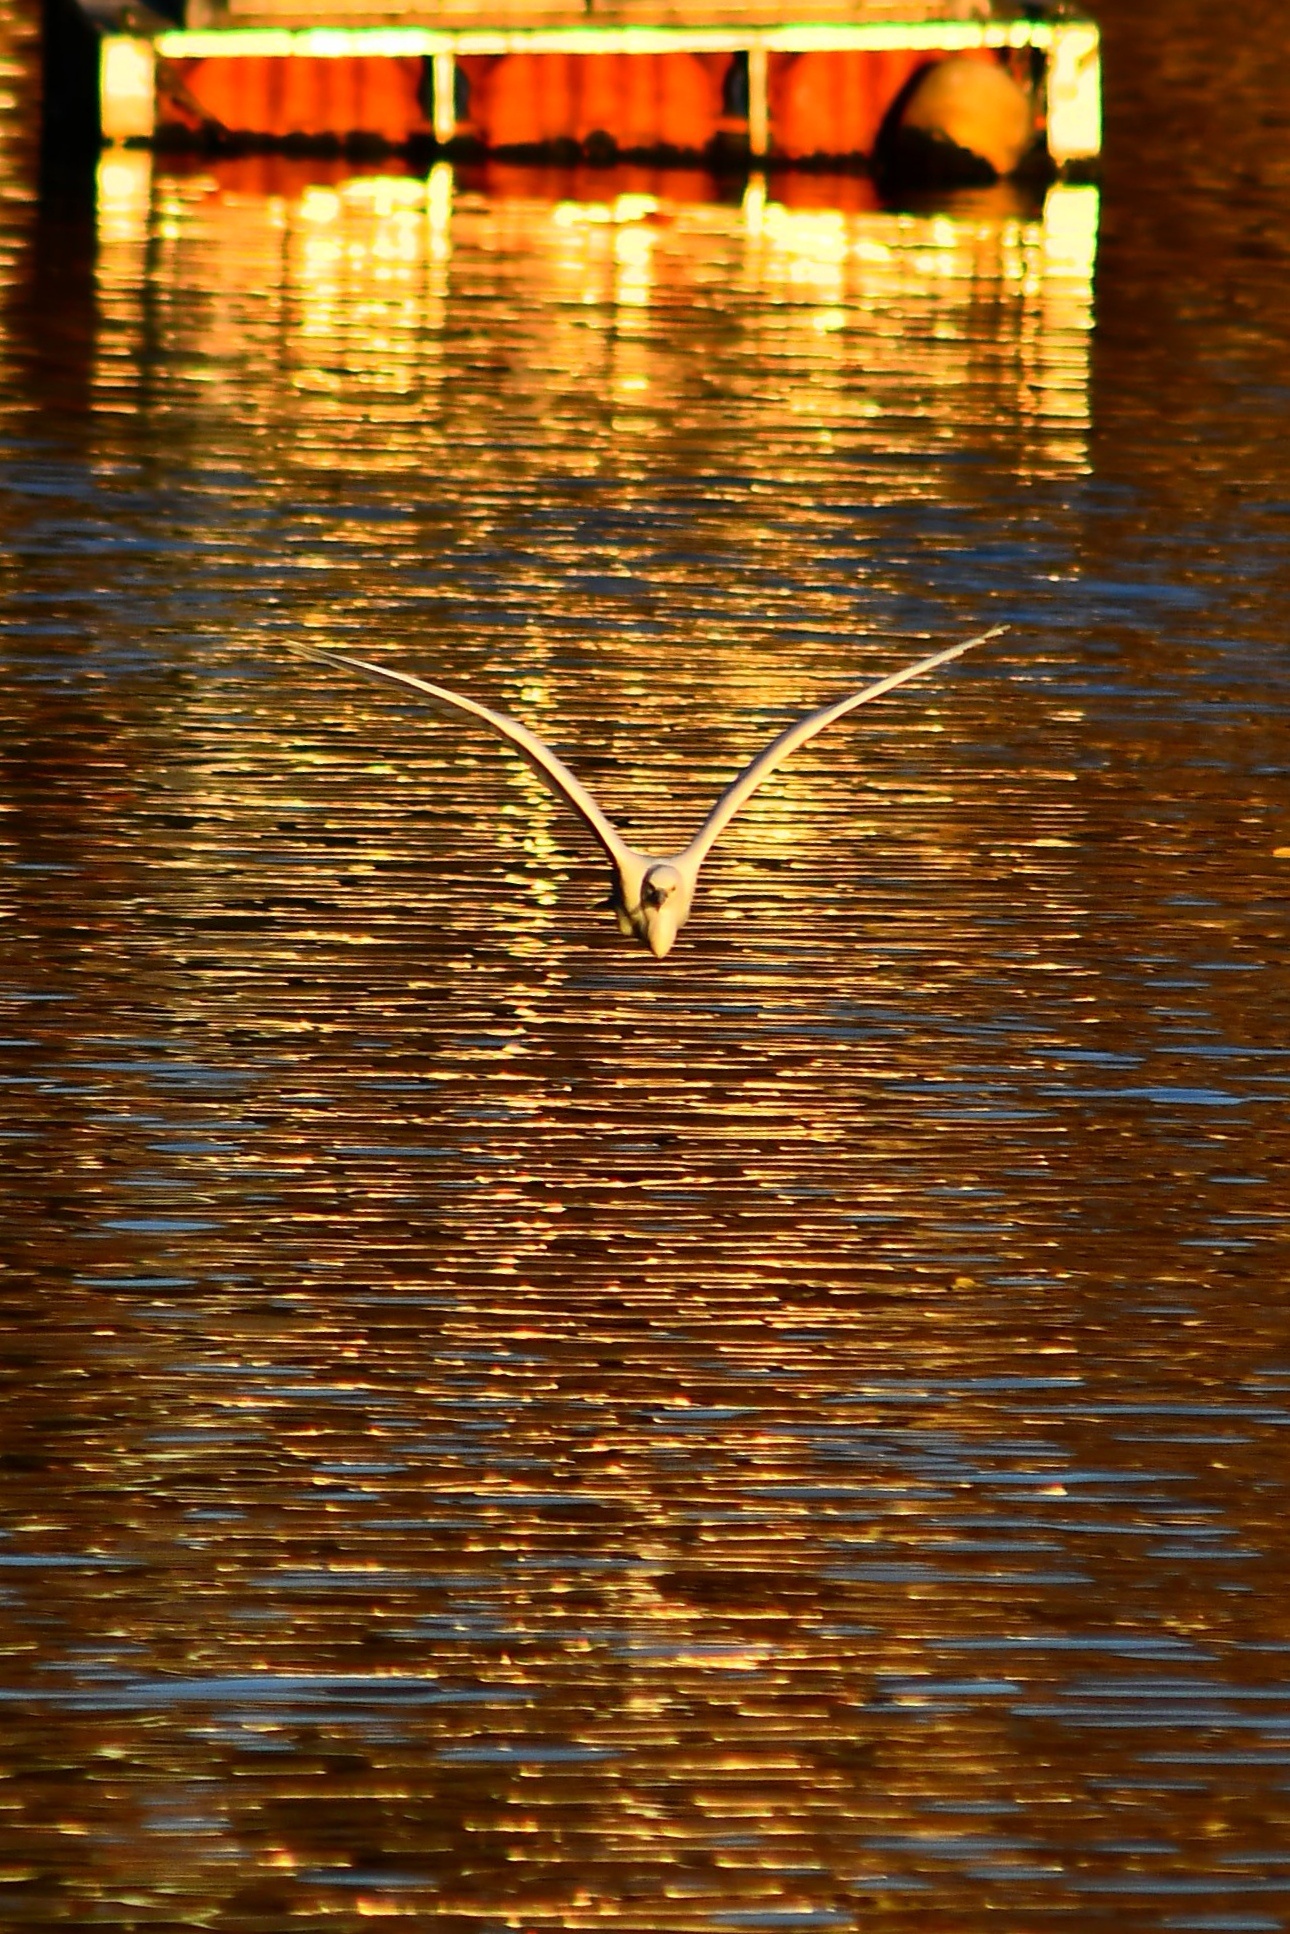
(720, 78)
(884, 332)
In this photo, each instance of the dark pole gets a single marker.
(71, 134)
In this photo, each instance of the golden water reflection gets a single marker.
(861, 316)
(495, 1434)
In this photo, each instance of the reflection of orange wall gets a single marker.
(835, 103)
(299, 94)
(642, 100)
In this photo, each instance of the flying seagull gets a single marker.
(650, 896)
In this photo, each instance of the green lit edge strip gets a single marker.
(334, 43)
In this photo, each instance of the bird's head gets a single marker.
(664, 905)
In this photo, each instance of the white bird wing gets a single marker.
(759, 769)
(539, 756)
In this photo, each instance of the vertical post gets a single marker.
(758, 101)
(1074, 92)
(127, 89)
(445, 96)
(71, 124)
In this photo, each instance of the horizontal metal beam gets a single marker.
(339, 43)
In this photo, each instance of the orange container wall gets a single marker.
(641, 100)
(835, 103)
(828, 103)
(276, 95)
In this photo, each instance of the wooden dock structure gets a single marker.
(768, 79)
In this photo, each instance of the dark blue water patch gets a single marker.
(1107, 1716)
(1180, 1097)
(890, 1884)
(182, 1074)
(388, 1880)
(306, 1694)
(524, 1753)
(158, 1225)
(946, 1846)
(182, 1145)
(1224, 1924)
(775, 1917)
(53, 1561)
(904, 1685)
(1275, 1756)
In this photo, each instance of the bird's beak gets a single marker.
(661, 943)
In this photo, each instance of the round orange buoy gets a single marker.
(973, 105)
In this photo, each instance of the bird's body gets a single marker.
(651, 896)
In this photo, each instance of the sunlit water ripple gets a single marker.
(509, 1435)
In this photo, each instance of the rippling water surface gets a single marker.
(506, 1434)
